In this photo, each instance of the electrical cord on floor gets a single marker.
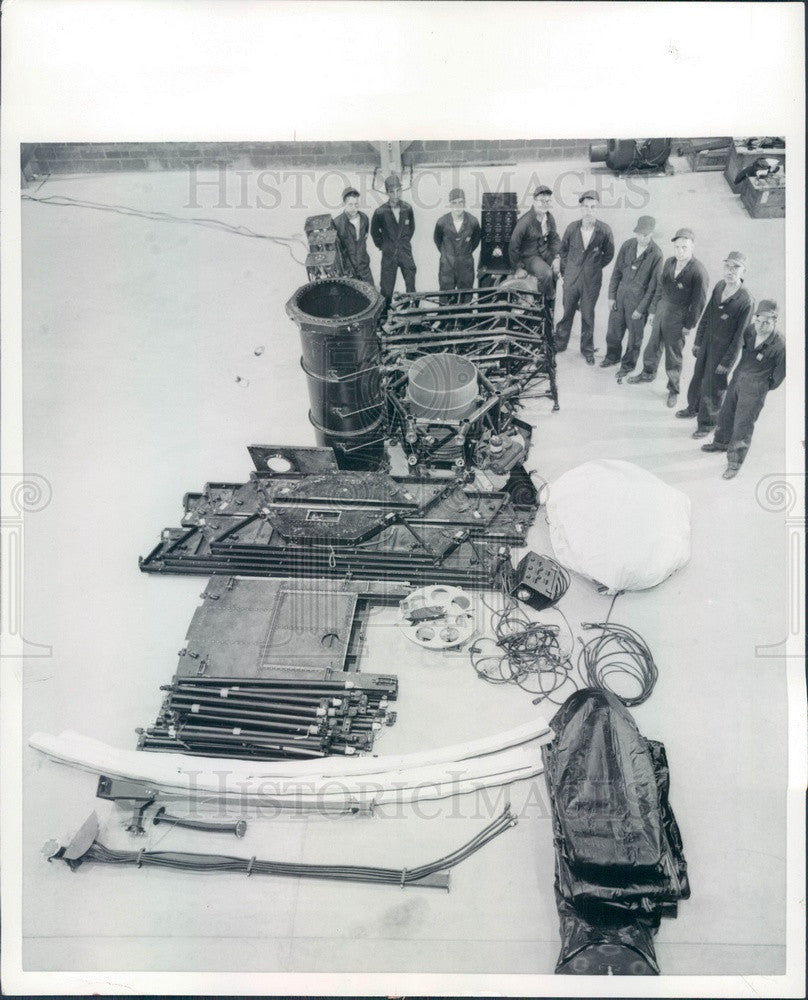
(524, 652)
(529, 654)
(63, 201)
(185, 861)
(618, 650)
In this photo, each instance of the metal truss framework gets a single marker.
(506, 333)
(345, 525)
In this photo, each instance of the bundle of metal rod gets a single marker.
(506, 333)
(434, 874)
(378, 686)
(267, 720)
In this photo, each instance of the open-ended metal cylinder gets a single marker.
(337, 318)
(442, 387)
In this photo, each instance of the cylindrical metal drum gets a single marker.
(442, 387)
(337, 318)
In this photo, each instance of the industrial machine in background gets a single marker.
(498, 218)
(324, 259)
(440, 384)
(446, 414)
(625, 156)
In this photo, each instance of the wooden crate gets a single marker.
(708, 159)
(763, 201)
(741, 156)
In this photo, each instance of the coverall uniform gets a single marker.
(582, 271)
(355, 245)
(394, 239)
(677, 304)
(534, 250)
(456, 268)
(632, 286)
(759, 370)
(718, 339)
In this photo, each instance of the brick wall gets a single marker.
(73, 158)
(496, 150)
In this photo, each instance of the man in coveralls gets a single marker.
(631, 289)
(762, 367)
(718, 341)
(586, 248)
(457, 235)
(352, 228)
(535, 243)
(391, 229)
(678, 303)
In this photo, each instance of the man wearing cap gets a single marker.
(631, 289)
(586, 248)
(352, 229)
(391, 229)
(718, 341)
(457, 236)
(762, 367)
(534, 244)
(677, 304)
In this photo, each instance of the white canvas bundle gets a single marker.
(618, 525)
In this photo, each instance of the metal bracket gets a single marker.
(137, 792)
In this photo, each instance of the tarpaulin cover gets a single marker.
(619, 860)
(618, 524)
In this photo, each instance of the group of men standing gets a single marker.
(457, 236)
(644, 288)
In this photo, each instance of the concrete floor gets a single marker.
(141, 382)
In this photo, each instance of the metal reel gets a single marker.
(437, 617)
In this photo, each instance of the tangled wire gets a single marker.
(530, 654)
(523, 652)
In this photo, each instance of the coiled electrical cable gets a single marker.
(618, 650)
(184, 861)
(529, 654)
